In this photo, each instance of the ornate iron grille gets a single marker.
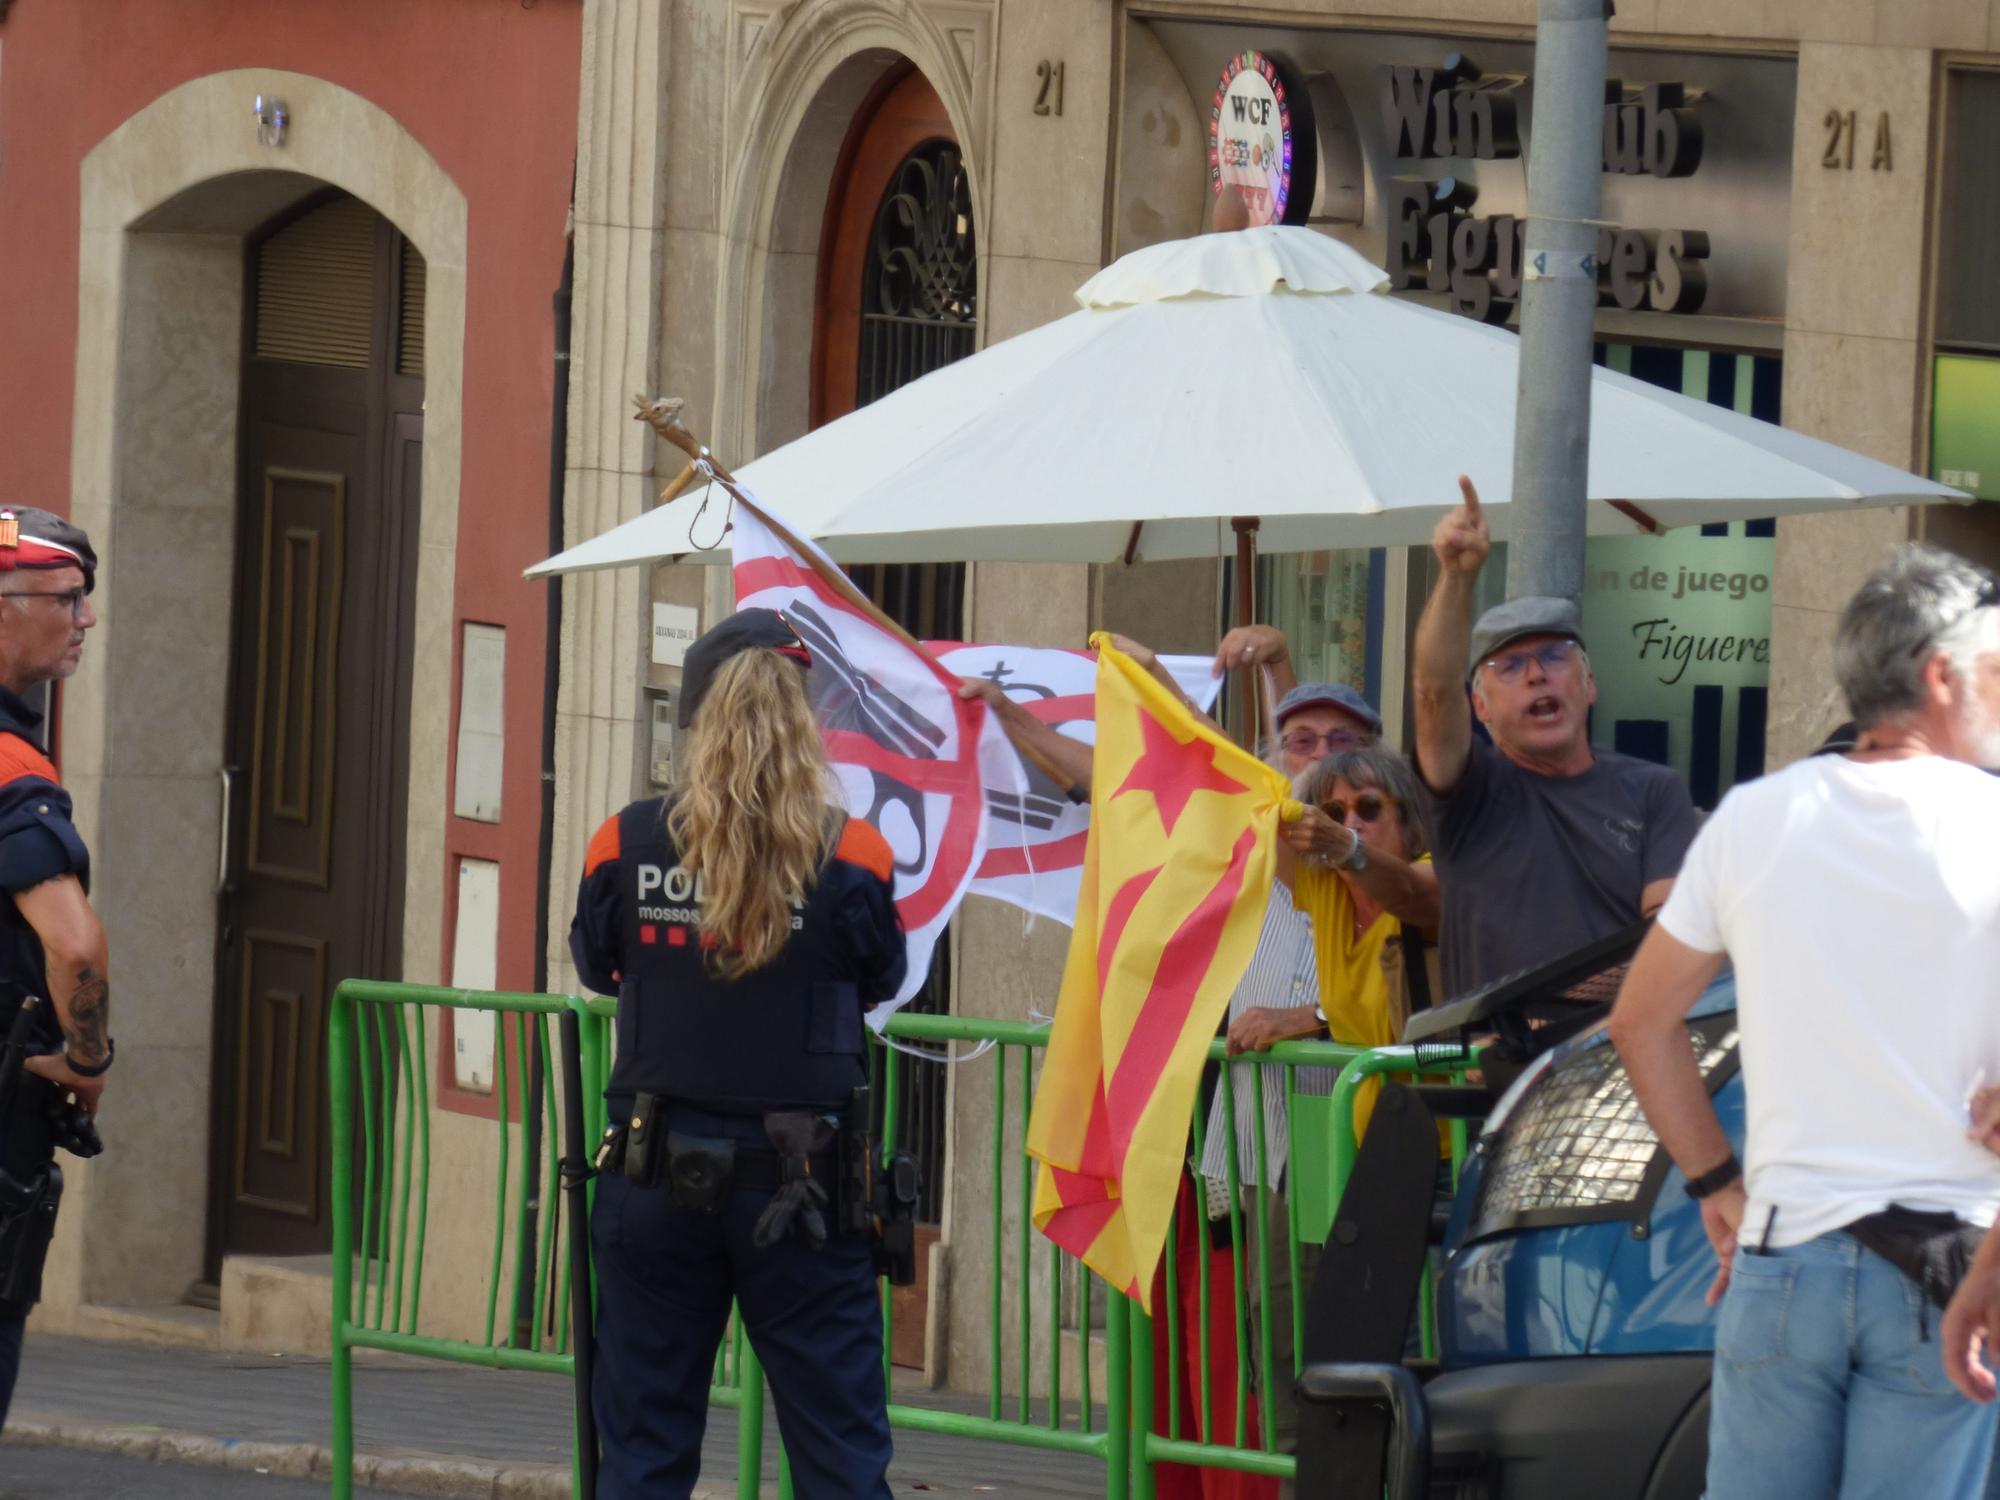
(918, 295)
(919, 312)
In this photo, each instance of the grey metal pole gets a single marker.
(1558, 301)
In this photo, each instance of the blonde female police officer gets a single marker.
(745, 926)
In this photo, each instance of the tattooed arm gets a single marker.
(79, 970)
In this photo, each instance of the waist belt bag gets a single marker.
(1934, 1250)
(698, 1171)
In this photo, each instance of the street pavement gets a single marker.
(73, 1474)
(433, 1428)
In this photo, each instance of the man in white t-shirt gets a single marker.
(1858, 897)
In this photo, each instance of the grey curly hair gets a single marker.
(1387, 772)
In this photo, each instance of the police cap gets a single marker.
(747, 629)
(36, 539)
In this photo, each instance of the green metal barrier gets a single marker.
(380, 1083)
(379, 1077)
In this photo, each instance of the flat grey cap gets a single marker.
(1533, 614)
(1328, 695)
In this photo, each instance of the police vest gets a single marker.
(787, 1035)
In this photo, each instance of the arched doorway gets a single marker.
(898, 298)
(317, 768)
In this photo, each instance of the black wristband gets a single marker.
(92, 1070)
(1715, 1179)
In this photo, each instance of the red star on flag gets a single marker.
(1174, 770)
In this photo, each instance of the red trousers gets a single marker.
(1186, 1481)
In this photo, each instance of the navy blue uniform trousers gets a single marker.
(665, 1277)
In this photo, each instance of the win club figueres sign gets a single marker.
(1436, 242)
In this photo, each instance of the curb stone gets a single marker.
(438, 1477)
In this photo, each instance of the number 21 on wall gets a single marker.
(1840, 132)
(1049, 99)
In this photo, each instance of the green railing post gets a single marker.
(993, 1355)
(891, 1061)
(340, 1069)
(1023, 1231)
(1118, 1395)
(1139, 1448)
(749, 1424)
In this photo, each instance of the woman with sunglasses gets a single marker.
(1361, 869)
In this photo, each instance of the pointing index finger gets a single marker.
(1471, 494)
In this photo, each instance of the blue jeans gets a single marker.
(1829, 1382)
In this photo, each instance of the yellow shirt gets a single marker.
(1354, 991)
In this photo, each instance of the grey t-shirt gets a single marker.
(1533, 866)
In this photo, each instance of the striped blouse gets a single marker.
(1283, 974)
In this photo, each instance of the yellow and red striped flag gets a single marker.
(1177, 872)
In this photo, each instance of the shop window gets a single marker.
(1965, 423)
(1968, 295)
(1329, 606)
(1680, 625)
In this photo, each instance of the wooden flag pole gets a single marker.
(680, 482)
(664, 417)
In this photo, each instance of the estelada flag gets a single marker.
(1176, 874)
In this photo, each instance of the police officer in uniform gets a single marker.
(52, 949)
(745, 927)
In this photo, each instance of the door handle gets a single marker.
(223, 885)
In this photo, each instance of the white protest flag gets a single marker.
(912, 758)
(1035, 840)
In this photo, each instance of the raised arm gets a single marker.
(1258, 646)
(1148, 658)
(1444, 635)
(1065, 761)
(1648, 1026)
(1406, 889)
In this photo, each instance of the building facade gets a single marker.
(1794, 230)
(276, 289)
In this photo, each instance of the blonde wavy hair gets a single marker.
(749, 814)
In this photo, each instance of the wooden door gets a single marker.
(331, 424)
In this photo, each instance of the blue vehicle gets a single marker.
(1574, 1340)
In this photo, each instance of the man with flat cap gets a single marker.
(52, 948)
(1542, 843)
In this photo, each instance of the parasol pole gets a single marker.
(1248, 716)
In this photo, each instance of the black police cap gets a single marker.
(746, 630)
